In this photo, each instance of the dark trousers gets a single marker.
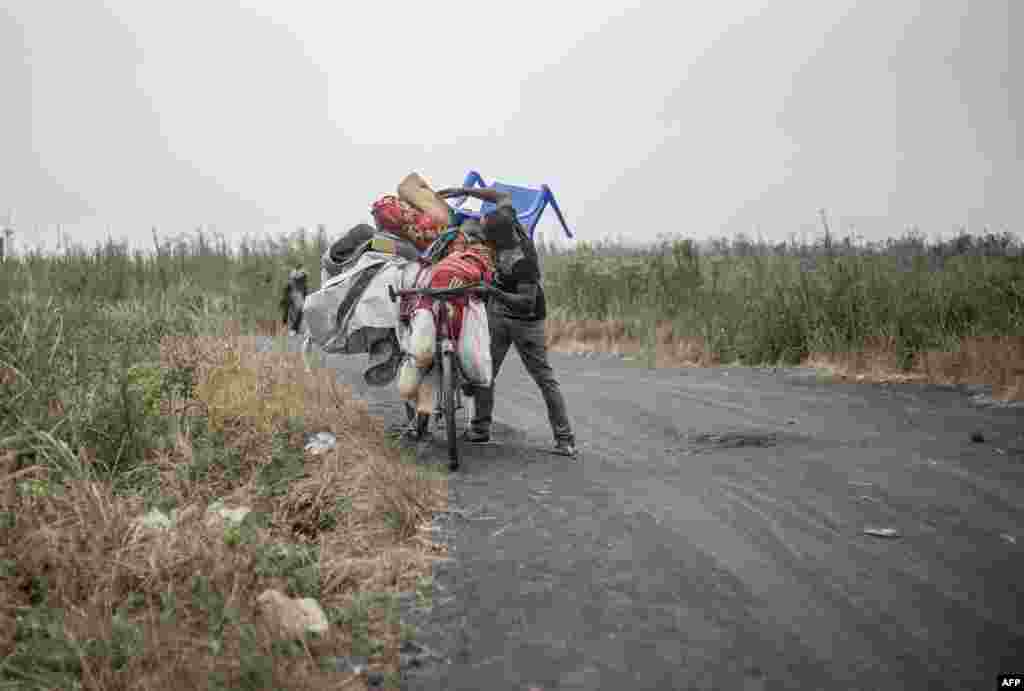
(528, 338)
(292, 302)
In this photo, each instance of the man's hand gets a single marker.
(451, 192)
(524, 299)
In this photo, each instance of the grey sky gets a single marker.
(651, 117)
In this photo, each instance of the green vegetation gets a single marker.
(90, 437)
(355, 620)
(80, 336)
(96, 430)
(756, 303)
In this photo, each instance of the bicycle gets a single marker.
(449, 393)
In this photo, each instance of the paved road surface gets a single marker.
(711, 536)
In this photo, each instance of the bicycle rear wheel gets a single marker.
(449, 384)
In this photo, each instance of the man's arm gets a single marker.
(525, 298)
(493, 196)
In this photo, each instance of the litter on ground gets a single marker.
(882, 532)
(322, 442)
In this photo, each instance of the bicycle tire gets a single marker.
(449, 382)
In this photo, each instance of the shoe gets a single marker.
(418, 428)
(475, 437)
(566, 447)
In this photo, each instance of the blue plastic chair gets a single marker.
(530, 203)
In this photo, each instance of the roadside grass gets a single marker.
(949, 312)
(128, 385)
(132, 382)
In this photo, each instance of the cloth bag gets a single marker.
(475, 344)
(409, 379)
(422, 338)
(353, 310)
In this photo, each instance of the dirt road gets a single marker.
(711, 536)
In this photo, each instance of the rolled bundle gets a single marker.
(416, 191)
(425, 398)
(423, 338)
(409, 379)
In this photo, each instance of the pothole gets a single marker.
(737, 439)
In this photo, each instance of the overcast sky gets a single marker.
(645, 118)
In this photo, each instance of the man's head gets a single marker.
(500, 227)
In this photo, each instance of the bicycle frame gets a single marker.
(445, 344)
(445, 339)
(444, 352)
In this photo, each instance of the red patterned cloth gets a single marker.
(465, 262)
(467, 266)
(399, 217)
(484, 251)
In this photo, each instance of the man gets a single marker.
(516, 314)
(293, 298)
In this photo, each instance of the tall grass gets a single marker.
(756, 303)
(125, 386)
(77, 330)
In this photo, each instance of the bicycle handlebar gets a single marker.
(432, 292)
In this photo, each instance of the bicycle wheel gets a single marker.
(449, 383)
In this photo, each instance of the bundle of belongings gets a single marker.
(419, 241)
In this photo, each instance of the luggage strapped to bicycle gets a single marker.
(407, 303)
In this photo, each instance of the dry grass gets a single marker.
(586, 335)
(177, 607)
(995, 361)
